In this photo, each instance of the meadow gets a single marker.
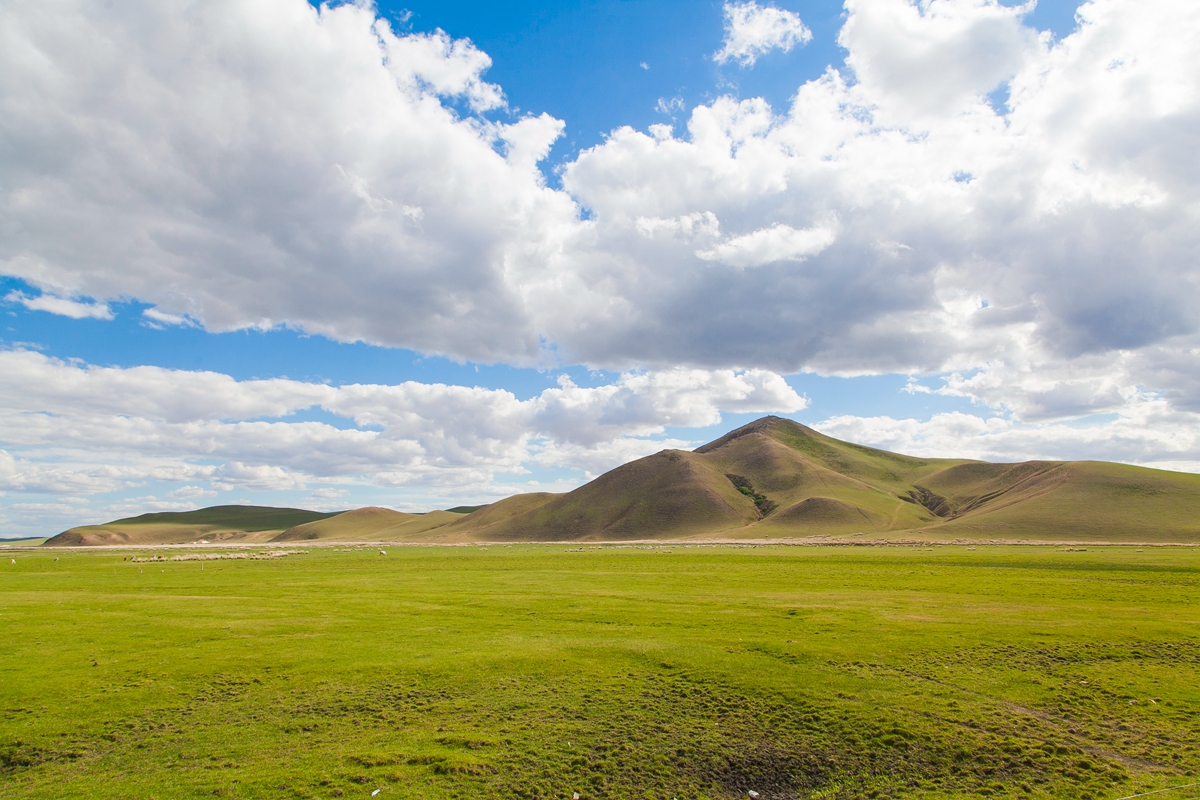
(544, 671)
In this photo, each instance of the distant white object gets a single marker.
(377, 791)
(574, 795)
(752, 793)
(382, 553)
(752, 31)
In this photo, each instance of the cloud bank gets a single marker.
(65, 424)
(967, 198)
(260, 163)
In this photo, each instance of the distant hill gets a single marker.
(215, 524)
(371, 524)
(777, 478)
(672, 493)
(258, 524)
(773, 478)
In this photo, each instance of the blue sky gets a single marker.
(264, 217)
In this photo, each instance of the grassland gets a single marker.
(538, 671)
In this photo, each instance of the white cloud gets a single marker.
(74, 309)
(593, 461)
(310, 167)
(528, 141)
(1149, 433)
(769, 245)
(133, 506)
(66, 424)
(434, 61)
(157, 317)
(249, 164)
(938, 56)
(191, 492)
(752, 31)
(669, 106)
(701, 224)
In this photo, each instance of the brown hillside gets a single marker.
(498, 513)
(672, 493)
(154, 533)
(362, 524)
(796, 482)
(229, 523)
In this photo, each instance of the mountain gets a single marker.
(672, 493)
(215, 524)
(777, 478)
(773, 478)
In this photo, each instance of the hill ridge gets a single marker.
(771, 478)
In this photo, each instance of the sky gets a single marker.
(427, 254)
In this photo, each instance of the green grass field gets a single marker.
(635, 672)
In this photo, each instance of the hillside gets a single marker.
(371, 524)
(672, 493)
(1083, 500)
(215, 524)
(777, 478)
(773, 478)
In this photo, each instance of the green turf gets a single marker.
(635, 672)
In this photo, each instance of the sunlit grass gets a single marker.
(540, 671)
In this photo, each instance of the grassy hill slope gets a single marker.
(216, 524)
(371, 524)
(788, 480)
(359, 524)
(1084, 500)
(672, 493)
(772, 478)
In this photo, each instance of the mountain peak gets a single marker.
(764, 425)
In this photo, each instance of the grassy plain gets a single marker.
(635, 672)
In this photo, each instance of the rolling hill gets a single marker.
(215, 524)
(773, 478)
(371, 524)
(777, 478)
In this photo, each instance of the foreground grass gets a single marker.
(537, 672)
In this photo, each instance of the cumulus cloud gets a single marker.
(444, 66)
(191, 492)
(159, 318)
(689, 226)
(766, 246)
(24, 475)
(752, 31)
(1148, 433)
(65, 424)
(936, 57)
(62, 306)
(267, 162)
